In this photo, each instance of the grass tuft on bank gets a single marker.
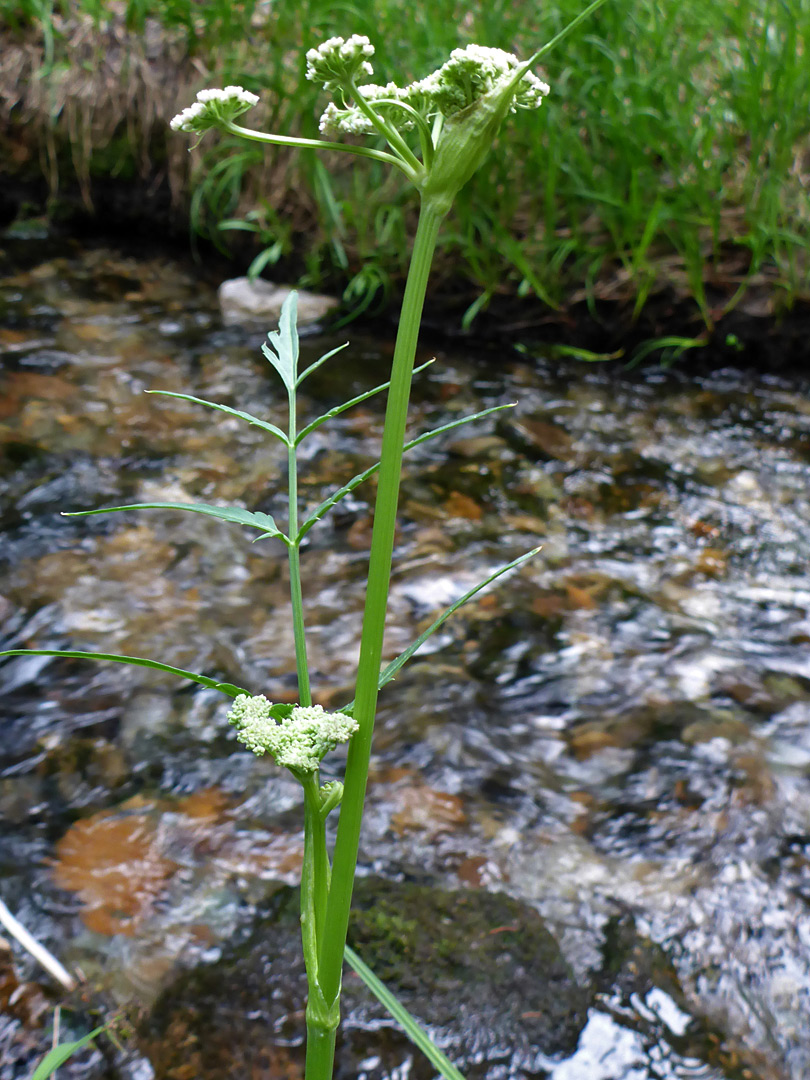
(673, 153)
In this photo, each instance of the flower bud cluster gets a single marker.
(296, 737)
(212, 108)
(473, 72)
(338, 61)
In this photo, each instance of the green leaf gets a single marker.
(585, 354)
(322, 360)
(231, 412)
(321, 510)
(134, 661)
(338, 409)
(475, 308)
(282, 351)
(238, 224)
(270, 254)
(341, 493)
(675, 347)
(407, 1021)
(390, 670)
(61, 1053)
(225, 513)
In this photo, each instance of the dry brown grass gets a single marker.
(112, 93)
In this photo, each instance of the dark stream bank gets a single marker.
(586, 850)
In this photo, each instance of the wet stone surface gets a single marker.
(616, 735)
(478, 970)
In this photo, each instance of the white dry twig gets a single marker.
(39, 952)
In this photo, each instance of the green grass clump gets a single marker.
(671, 153)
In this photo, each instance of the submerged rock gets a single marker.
(246, 302)
(480, 970)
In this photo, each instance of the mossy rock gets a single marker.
(480, 970)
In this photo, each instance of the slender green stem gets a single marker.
(382, 545)
(425, 138)
(319, 144)
(322, 1016)
(438, 124)
(320, 1051)
(299, 633)
(320, 858)
(294, 559)
(309, 935)
(389, 132)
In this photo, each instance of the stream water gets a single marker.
(616, 738)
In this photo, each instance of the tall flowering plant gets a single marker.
(437, 131)
(453, 116)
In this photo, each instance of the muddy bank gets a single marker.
(669, 332)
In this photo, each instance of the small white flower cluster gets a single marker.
(339, 61)
(297, 741)
(474, 71)
(212, 107)
(468, 75)
(353, 121)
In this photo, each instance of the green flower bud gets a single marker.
(330, 794)
(469, 131)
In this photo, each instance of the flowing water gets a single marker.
(615, 738)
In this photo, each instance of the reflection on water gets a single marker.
(621, 728)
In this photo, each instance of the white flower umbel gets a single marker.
(339, 62)
(296, 737)
(474, 83)
(474, 92)
(473, 72)
(214, 107)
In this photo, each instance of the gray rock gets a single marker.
(249, 303)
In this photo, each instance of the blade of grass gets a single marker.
(62, 1053)
(409, 1024)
